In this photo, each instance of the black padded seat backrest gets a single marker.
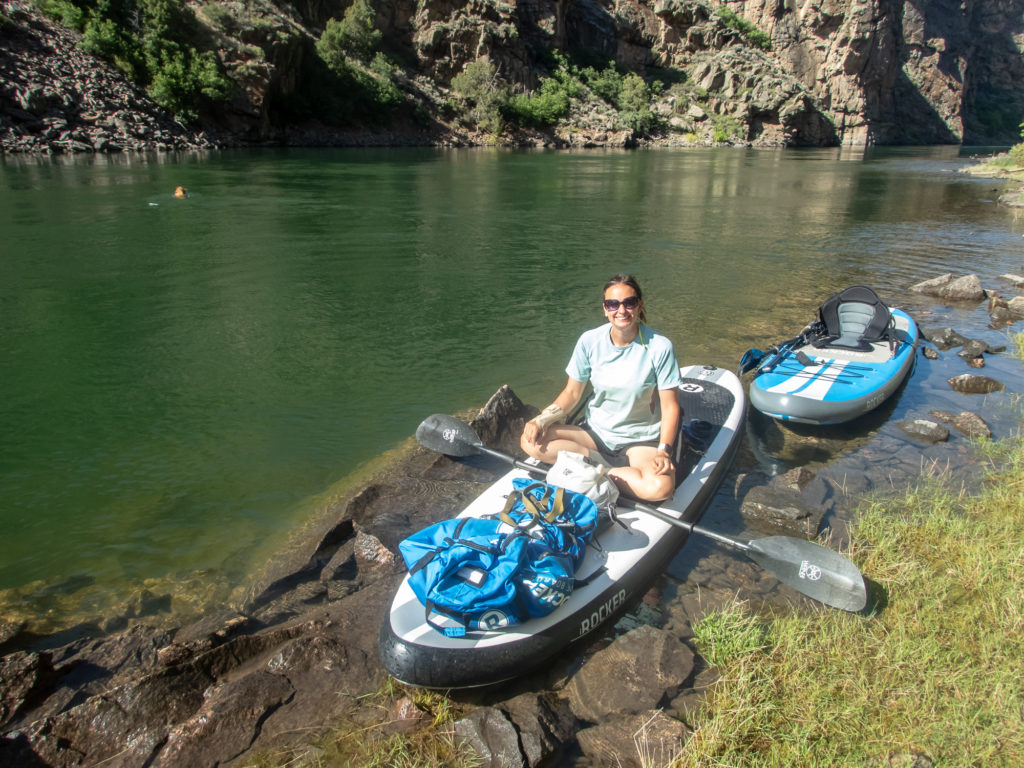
(853, 318)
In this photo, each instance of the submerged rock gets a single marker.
(782, 508)
(924, 430)
(972, 384)
(943, 338)
(970, 424)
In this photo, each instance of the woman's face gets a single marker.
(616, 309)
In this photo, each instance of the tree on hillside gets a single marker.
(355, 35)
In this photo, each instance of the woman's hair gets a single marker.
(623, 279)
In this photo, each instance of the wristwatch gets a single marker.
(665, 447)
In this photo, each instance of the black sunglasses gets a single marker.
(630, 302)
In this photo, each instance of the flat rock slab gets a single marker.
(642, 740)
(781, 508)
(641, 670)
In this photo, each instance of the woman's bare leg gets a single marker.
(559, 437)
(639, 479)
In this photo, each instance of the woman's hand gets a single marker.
(532, 432)
(663, 464)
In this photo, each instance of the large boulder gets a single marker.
(640, 740)
(964, 288)
(641, 670)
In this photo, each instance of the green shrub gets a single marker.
(385, 90)
(1017, 151)
(634, 103)
(753, 35)
(357, 33)
(180, 77)
(484, 95)
(329, 47)
(63, 12)
(606, 83)
(726, 128)
(542, 107)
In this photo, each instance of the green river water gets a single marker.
(183, 383)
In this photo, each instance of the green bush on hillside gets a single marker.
(634, 103)
(753, 35)
(64, 12)
(542, 107)
(484, 94)
(605, 83)
(154, 42)
(355, 35)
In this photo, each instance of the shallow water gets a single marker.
(186, 382)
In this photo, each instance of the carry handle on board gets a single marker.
(811, 569)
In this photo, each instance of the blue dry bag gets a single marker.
(563, 519)
(486, 573)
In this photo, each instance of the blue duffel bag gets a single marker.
(563, 519)
(474, 574)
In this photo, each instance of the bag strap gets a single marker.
(448, 542)
(552, 501)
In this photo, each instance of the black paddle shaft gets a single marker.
(809, 568)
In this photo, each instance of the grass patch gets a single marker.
(937, 670)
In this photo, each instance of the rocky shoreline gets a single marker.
(299, 655)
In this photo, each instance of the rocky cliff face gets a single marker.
(902, 71)
(836, 71)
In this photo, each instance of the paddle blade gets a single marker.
(750, 360)
(446, 434)
(818, 572)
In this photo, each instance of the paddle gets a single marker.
(755, 359)
(814, 570)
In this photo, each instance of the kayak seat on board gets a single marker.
(852, 319)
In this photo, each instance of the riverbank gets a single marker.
(1005, 166)
(930, 676)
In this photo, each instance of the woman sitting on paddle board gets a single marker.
(633, 417)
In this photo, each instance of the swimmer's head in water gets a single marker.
(180, 192)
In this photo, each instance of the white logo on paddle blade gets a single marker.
(449, 435)
(809, 571)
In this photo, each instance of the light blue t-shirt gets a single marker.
(624, 379)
